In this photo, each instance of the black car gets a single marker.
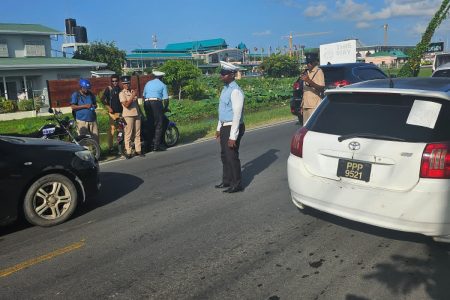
(44, 180)
(337, 75)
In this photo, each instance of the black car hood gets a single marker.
(47, 143)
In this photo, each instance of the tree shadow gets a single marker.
(114, 186)
(403, 274)
(256, 166)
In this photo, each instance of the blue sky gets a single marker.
(263, 23)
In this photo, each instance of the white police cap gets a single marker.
(158, 73)
(228, 67)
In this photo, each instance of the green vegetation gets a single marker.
(105, 52)
(280, 66)
(180, 75)
(412, 67)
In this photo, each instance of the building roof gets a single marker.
(26, 63)
(157, 55)
(197, 45)
(393, 53)
(11, 28)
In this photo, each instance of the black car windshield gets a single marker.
(378, 115)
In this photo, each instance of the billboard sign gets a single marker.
(435, 47)
(336, 53)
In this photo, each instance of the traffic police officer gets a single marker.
(230, 128)
(155, 92)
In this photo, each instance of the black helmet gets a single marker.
(125, 79)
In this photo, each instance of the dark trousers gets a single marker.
(230, 157)
(154, 113)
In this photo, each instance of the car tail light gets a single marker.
(296, 85)
(436, 161)
(297, 142)
(341, 83)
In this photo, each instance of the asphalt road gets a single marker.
(160, 230)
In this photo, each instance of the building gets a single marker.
(26, 62)
(393, 58)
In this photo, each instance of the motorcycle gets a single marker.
(170, 134)
(64, 129)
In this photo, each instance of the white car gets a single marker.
(377, 152)
(442, 71)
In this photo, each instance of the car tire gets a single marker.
(91, 145)
(50, 200)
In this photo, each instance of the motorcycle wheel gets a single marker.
(171, 136)
(92, 146)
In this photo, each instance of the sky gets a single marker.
(256, 23)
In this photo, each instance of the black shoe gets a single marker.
(233, 189)
(221, 185)
(141, 154)
(156, 149)
(128, 156)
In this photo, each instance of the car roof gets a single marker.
(348, 65)
(419, 86)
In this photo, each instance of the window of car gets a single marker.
(333, 74)
(369, 73)
(442, 73)
(378, 114)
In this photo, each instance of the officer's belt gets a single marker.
(152, 99)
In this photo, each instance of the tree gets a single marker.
(179, 73)
(105, 52)
(280, 66)
(412, 67)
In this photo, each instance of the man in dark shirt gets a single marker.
(112, 103)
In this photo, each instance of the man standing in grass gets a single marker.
(111, 101)
(230, 129)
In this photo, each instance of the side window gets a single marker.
(442, 73)
(369, 73)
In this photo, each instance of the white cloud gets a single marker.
(315, 11)
(262, 33)
(418, 29)
(363, 25)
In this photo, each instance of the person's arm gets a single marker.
(219, 125)
(124, 101)
(317, 82)
(74, 103)
(237, 103)
(165, 94)
(106, 95)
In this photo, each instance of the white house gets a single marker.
(26, 62)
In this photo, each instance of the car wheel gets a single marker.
(50, 200)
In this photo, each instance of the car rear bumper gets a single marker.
(424, 209)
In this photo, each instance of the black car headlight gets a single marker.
(85, 155)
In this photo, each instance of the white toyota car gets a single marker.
(377, 152)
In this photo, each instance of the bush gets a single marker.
(25, 105)
(197, 89)
(7, 106)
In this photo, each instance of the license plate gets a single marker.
(354, 170)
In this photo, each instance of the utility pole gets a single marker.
(385, 27)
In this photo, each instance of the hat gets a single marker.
(125, 79)
(312, 58)
(225, 66)
(158, 73)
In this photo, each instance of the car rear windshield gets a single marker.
(369, 73)
(379, 114)
(442, 73)
(333, 74)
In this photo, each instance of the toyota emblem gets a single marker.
(354, 146)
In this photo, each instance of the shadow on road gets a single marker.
(114, 186)
(401, 275)
(256, 166)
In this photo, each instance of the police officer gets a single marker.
(230, 128)
(128, 99)
(155, 92)
(313, 86)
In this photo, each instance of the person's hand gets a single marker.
(305, 78)
(217, 134)
(301, 110)
(89, 105)
(231, 144)
(110, 109)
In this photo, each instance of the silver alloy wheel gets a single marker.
(52, 200)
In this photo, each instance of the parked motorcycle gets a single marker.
(64, 129)
(170, 134)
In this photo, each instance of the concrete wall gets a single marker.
(16, 43)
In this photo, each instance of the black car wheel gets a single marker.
(171, 136)
(91, 145)
(50, 200)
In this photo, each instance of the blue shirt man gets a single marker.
(155, 92)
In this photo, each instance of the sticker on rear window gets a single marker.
(424, 113)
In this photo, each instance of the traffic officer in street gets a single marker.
(155, 92)
(230, 128)
(313, 86)
(128, 98)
